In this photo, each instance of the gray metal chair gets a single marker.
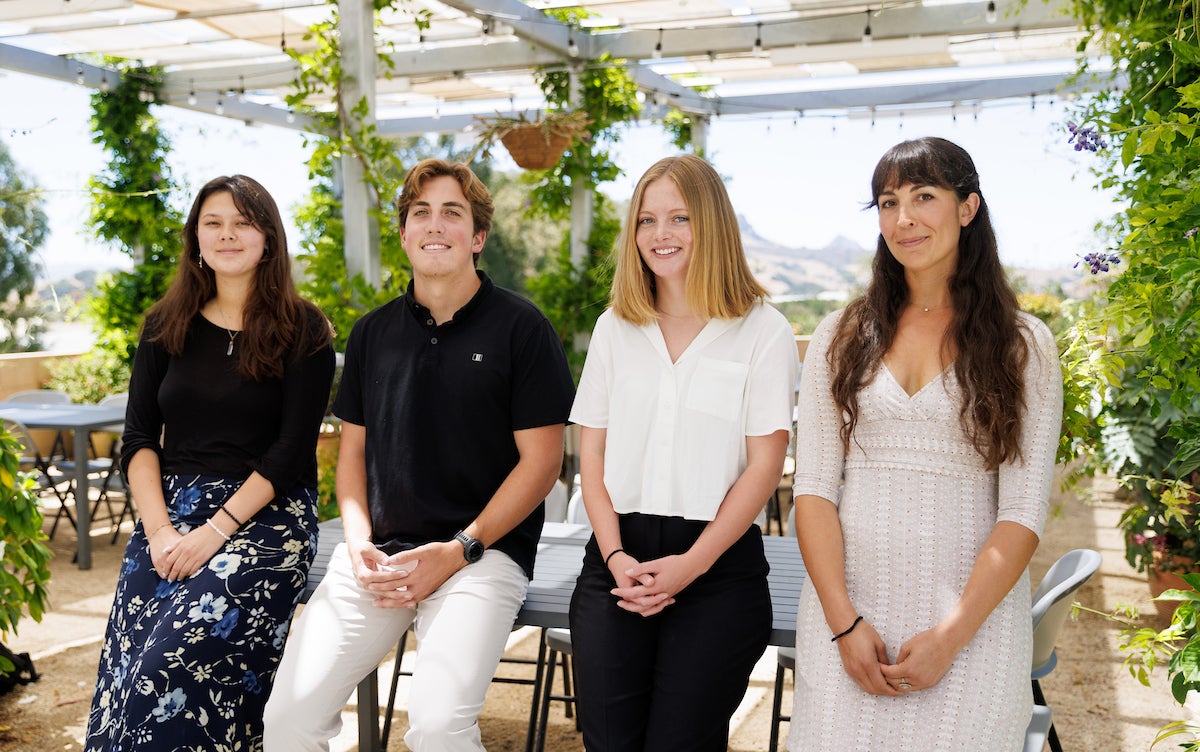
(785, 660)
(31, 459)
(1051, 604)
(58, 450)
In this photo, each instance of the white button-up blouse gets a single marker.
(676, 432)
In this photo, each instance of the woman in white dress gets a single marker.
(930, 411)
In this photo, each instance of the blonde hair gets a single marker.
(719, 282)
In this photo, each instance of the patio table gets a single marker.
(81, 420)
(559, 559)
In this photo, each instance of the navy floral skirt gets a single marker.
(187, 666)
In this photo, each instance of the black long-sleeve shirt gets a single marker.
(213, 422)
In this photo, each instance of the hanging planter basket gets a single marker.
(535, 144)
(534, 149)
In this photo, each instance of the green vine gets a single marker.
(131, 209)
(336, 134)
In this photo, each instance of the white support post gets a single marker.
(356, 23)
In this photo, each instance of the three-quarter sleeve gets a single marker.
(1025, 484)
(819, 451)
(305, 396)
(143, 414)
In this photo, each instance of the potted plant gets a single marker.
(538, 142)
(24, 559)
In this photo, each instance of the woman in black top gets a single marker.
(229, 385)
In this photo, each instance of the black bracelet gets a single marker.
(614, 553)
(235, 519)
(837, 637)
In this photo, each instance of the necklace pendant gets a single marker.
(230, 350)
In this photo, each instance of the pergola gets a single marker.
(477, 58)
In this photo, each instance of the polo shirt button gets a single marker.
(433, 340)
(430, 322)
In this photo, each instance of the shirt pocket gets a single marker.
(717, 387)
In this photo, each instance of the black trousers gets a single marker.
(673, 680)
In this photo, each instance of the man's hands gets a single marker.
(406, 584)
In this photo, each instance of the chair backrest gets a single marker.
(576, 513)
(120, 399)
(556, 502)
(44, 396)
(29, 453)
(1051, 604)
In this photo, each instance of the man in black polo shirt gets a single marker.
(453, 400)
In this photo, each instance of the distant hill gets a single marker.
(832, 272)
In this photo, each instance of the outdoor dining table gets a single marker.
(81, 420)
(559, 560)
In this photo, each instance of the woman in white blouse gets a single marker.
(685, 404)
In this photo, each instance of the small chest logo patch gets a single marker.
(477, 357)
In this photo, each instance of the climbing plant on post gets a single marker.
(574, 294)
(337, 133)
(131, 206)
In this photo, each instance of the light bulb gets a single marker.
(757, 49)
(991, 12)
(291, 116)
(79, 75)
(572, 48)
(657, 54)
(866, 37)
(220, 108)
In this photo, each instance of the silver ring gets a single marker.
(904, 686)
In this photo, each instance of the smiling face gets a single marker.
(664, 231)
(921, 225)
(438, 231)
(231, 245)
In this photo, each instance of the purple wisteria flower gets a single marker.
(1099, 261)
(1085, 137)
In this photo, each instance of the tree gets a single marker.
(23, 228)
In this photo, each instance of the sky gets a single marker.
(799, 181)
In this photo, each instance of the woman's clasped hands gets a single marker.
(647, 588)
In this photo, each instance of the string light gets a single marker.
(866, 37)
(192, 94)
(104, 83)
(757, 50)
(241, 94)
(485, 29)
(220, 108)
(291, 116)
(572, 47)
(657, 54)
(79, 75)
(991, 12)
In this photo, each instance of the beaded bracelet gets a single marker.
(614, 553)
(837, 637)
(235, 519)
(220, 532)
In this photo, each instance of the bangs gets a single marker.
(907, 163)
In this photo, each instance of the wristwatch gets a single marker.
(472, 548)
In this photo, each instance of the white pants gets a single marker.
(340, 636)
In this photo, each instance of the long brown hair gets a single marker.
(984, 332)
(719, 281)
(277, 322)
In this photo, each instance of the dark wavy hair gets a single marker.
(984, 335)
(277, 324)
